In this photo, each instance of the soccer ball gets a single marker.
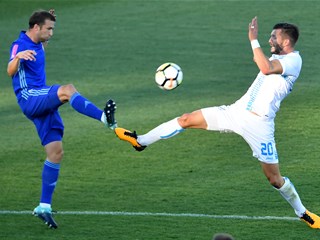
(168, 76)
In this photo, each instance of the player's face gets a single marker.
(275, 41)
(46, 31)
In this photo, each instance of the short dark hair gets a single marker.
(39, 17)
(222, 236)
(291, 30)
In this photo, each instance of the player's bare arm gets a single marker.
(13, 65)
(264, 64)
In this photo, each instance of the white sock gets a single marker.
(104, 118)
(289, 193)
(45, 205)
(163, 131)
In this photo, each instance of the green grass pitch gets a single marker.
(111, 49)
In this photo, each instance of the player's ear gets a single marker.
(36, 27)
(286, 42)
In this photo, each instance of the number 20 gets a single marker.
(266, 148)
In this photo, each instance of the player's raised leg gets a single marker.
(84, 106)
(164, 131)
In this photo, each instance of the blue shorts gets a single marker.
(41, 107)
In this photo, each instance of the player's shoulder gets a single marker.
(18, 45)
(21, 43)
(294, 56)
(294, 53)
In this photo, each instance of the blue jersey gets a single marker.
(37, 101)
(30, 74)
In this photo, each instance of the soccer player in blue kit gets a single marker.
(40, 102)
(252, 116)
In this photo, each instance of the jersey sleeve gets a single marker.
(13, 51)
(16, 47)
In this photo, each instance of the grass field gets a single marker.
(188, 187)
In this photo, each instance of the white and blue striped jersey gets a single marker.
(267, 91)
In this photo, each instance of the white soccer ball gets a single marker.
(168, 76)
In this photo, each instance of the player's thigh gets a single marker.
(40, 102)
(50, 127)
(259, 134)
(222, 118)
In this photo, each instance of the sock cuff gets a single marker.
(76, 94)
(45, 205)
(179, 128)
(103, 117)
(286, 184)
(52, 165)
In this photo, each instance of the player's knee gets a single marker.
(59, 155)
(70, 89)
(66, 91)
(184, 120)
(56, 156)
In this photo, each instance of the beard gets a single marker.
(276, 49)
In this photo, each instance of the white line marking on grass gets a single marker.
(194, 215)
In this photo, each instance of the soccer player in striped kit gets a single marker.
(40, 102)
(252, 116)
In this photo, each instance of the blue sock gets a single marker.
(82, 105)
(50, 174)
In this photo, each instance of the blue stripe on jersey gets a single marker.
(22, 77)
(34, 93)
(254, 92)
(24, 94)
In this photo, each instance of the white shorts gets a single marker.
(257, 131)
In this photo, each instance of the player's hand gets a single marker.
(27, 55)
(253, 29)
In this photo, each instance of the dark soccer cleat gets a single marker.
(45, 215)
(110, 110)
(130, 137)
(311, 219)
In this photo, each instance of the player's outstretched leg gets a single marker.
(311, 219)
(130, 137)
(110, 110)
(45, 215)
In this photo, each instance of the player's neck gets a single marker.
(286, 51)
(32, 36)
